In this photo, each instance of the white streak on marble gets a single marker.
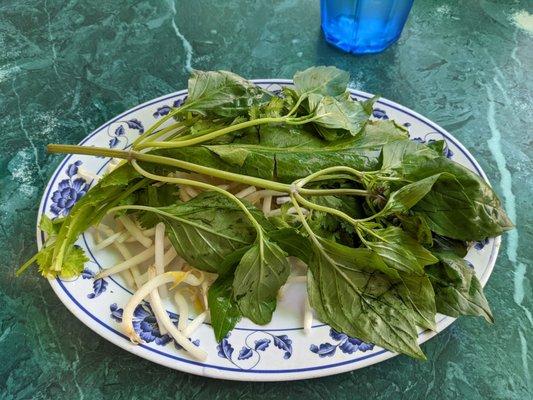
(506, 185)
(26, 133)
(524, 354)
(514, 52)
(186, 44)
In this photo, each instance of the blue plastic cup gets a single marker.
(363, 26)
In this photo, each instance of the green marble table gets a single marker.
(68, 66)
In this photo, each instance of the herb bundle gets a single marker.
(382, 222)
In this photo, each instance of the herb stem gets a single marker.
(310, 178)
(220, 132)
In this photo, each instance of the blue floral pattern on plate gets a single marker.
(68, 192)
(99, 285)
(165, 109)
(249, 350)
(118, 133)
(346, 344)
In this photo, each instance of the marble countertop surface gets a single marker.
(66, 67)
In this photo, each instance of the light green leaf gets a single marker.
(326, 81)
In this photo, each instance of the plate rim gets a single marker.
(214, 371)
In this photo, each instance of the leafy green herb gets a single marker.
(262, 271)
(386, 220)
(223, 308)
(457, 289)
(349, 293)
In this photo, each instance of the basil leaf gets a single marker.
(401, 252)
(326, 81)
(223, 309)
(287, 153)
(418, 293)
(457, 289)
(292, 242)
(407, 196)
(416, 227)
(444, 244)
(261, 272)
(222, 93)
(337, 117)
(206, 230)
(460, 204)
(348, 293)
(394, 153)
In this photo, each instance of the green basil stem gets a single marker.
(303, 220)
(226, 130)
(157, 124)
(300, 99)
(201, 185)
(302, 182)
(230, 176)
(177, 127)
(334, 211)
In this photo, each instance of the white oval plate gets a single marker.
(275, 352)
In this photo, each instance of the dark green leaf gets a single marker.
(261, 272)
(349, 293)
(460, 204)
(288, 153)
(292, 242)
(401, 252)
(457, 289)
(418, 293)
(206, 229)
(223, 308)
(416, 227)
(407, 196)
(444, 244)
(394, 153)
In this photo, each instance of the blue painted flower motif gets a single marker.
(347, 344)
(178, 102)
(225, 350)
(284, 343)
(479, 245)
(380, 114)
(135, 124)
(245, 353)
(69, 191)
(99, 285)
(262, 344)
(119, 133)
(72, 169)
(407, 124)
(324, 350)
(144, 323)
(162, 111)
(249, 350)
